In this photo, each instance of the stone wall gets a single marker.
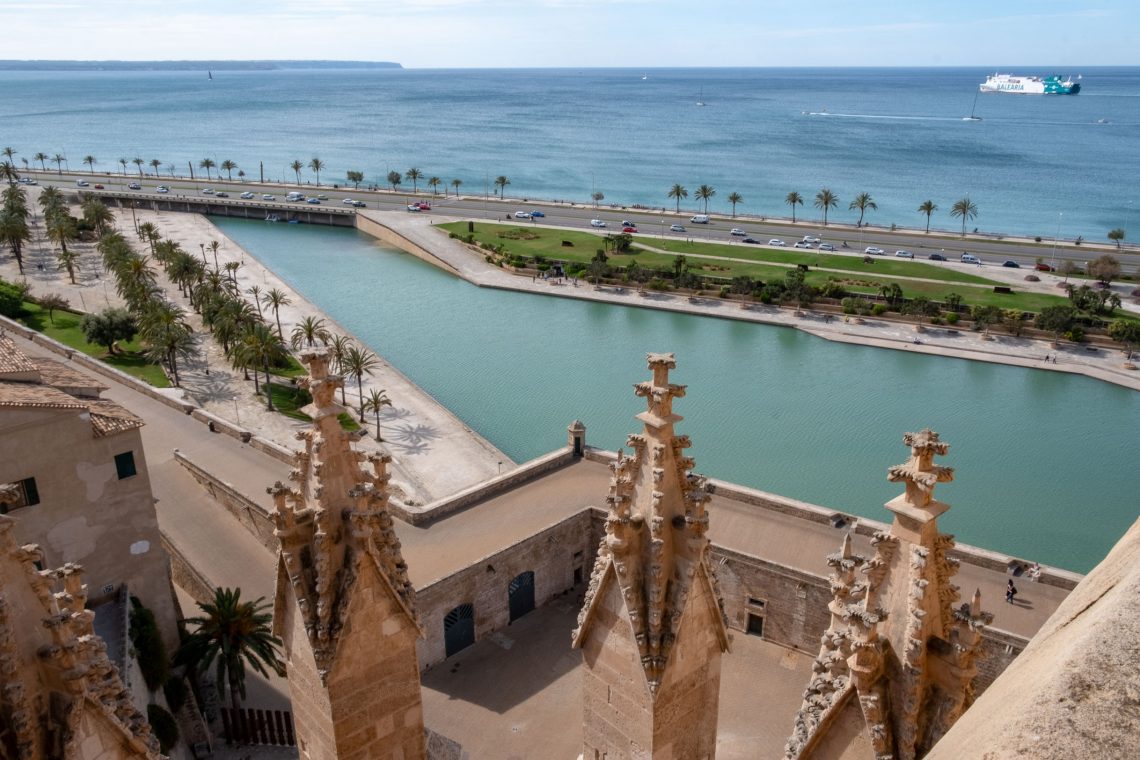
(387, 235)
(553, 555)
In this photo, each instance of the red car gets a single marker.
(629, 229)
(98, 187)
(1044, 268)
(423, 206)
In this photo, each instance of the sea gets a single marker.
(1034, 165)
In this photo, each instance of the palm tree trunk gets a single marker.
(378, 424)
(174, 367)
(360, 389)
(235, 690)
(277, 315)
(268, 388)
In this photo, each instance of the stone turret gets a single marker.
(60, 694)
(652, 628)
(344, 607)
(898, 658)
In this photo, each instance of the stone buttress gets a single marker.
(61, 697)
(652, 628)
(896, 665)
(344, 607)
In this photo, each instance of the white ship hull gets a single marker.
(1030, 85)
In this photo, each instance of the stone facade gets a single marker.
(83, 458)
(61, 697)
(652, 628)
(896, 647)
(344, 607)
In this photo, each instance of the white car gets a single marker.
(737, 232)
(874, 250)
(597, 223)
(801, 244)
(522, 215)
(349, 202)
(777, 242)
(162, 189)
(207, 191)
(811, 240)
(247, 195)
(904, 254)
(268, 197)
(81, 183)
(676, 228)
(413, 207)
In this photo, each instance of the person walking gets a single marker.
(1010, 591)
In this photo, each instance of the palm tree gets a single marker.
(8, 172)
(231, 634)
(434, 183)
(67, 260)
(41, 157)
(168, 334)
(316, 165)
(735, 198)
(456, 183)
(308, 331)
(927, 207)
(228, 167)
(377, 400)
(359, 362)
(58, 160)
(678, 191)
(297, 166)
(825, 199)
(60, 229)
(155, 164)
(123, 163)
(139, 163)
(255, 291)
(214, 246)
(414, 175)
(863, 202)
(794, 199)
(261, 347)
(501, 182)
(207, 164)
(966, 209)
(90, 161)
(9, 152)
(15, 232)
(704, 193)
(338, 351)
(275, 299)
(232, 267)
(394, 178)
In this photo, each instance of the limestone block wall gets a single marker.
(553, 555)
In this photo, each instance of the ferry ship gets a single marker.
(1030, 85)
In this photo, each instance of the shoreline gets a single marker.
(455, 257)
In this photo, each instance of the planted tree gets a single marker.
(41, 157)
(964, 209)
(735, 198)
(864, 202)
(501, 182)
(308, 331)
(414, 175)
(207, 164)
(359, 362)
(455, 183)
(825, 200)
(315, 165)
(90, 161)
(155, 164)
(984, 316)
(794, 199)
(228, 167)
(927, 207)
(1126, 332)
(377, 400)
(678, 192)
(51, 302)
(434, 183)
(1014, 321)
(107, 327)
(355, 178)
(138, 162)
(58, 160)
(597, 197)
(1105, 269)
(1057, 320)
(228, 636)
(394, 179)
(705, 193)
(297, 166)
(275, 299)
(1116, 236)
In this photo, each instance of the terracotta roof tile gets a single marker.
(60, 375)
(108, 418)
(13, 359)
(13, 394)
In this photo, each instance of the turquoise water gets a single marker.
(896, 133)
(1046, 463)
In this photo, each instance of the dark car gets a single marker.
(751, 240)
(1011, 264)
(537, 214)
(221, 194)
(936, 257)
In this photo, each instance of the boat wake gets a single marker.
(886, 117)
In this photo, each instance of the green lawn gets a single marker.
(65, 328)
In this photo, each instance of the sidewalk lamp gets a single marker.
(1053, 258)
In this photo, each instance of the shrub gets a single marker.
(1076, 335)
(657, 284)
(936, 320)
(879, 309)
(164, 725)
(149, 649)
(11, 299)
(175, 691)
(951, 317)
(1037, 239)
(1032, 278)
(724, 291)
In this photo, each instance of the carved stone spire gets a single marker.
(653, 561)
(887, 631)
(58, 681)
(345, 607)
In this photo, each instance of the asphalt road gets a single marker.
(991, 249)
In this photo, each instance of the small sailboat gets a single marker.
(972, 117)
(272, 218)
(644, 77)
(701, 97)
(210, 75)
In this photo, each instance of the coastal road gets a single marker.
(992, 249)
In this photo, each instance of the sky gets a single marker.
(581, 33)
